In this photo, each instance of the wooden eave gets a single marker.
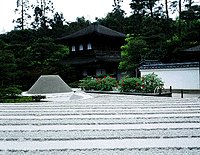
(94, 29)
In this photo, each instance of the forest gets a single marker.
(30, 51)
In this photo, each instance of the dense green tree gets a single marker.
(45, 52)
(21, 36)
(57, 21)
(7, 68)
(2, 44)
(134, 24)
(115, 19)
(133, 52)
(57, 25)
(152, 33)
(193, 13)
(79, 24)
(138, 7)
(141, 10)
(154, 36)
(40, 58)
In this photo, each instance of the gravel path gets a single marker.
(101, 124)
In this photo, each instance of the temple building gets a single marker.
(95, 50)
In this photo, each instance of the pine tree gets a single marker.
(22, 8)
(40, 12)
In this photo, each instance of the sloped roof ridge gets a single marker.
(195, 48)
(107, 31)
(94, 28)
(82, 32)
(170, 65)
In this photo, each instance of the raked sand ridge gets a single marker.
(79, 123)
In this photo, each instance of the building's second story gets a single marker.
(95, 40)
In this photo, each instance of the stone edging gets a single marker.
(167, 94)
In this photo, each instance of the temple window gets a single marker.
(89, 46)
(73, 48)
(80, 47)
(100, 71)
(84, 72)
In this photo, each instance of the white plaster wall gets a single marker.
(178, 78)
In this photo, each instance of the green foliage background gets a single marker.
(30, 51)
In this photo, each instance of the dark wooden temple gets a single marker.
(190, 55)
(95, 50)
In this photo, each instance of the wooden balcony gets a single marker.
(107, 53)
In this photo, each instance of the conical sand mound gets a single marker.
(49, 84)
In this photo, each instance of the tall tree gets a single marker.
(166, 9)
(57, 25)
(145, 7)
(40, 13)
(115, 19)
(150, 5)
(138, 7)
(22, 7)
(120, 16)
(177, 6)
(154, 36)
(179, 27)
(135, 20)
(79, 24)
(116, 2)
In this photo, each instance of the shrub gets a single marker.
(74, 84)
(87, 83)
(150, 82)
(107, 83)
(18, 99)
(37, 98)
(103, 75)
(12, 92)
(126, 84)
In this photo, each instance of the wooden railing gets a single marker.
(96, 53)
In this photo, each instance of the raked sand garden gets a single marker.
(84, 123)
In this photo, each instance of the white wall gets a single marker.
(178, 78)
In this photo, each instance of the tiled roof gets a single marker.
(100, 29)
(170, 65)
(196, 48)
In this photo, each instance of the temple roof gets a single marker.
(170, 65)
(196, 48)
(96, 27)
